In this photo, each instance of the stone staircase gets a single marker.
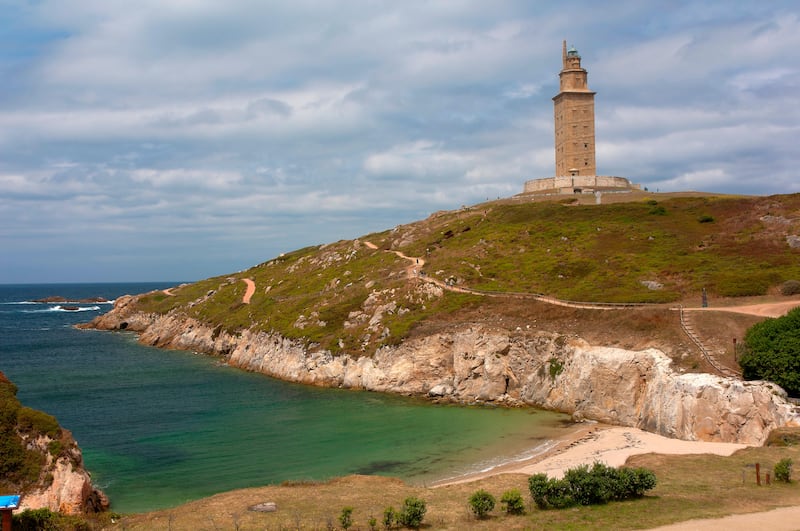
(708, 354)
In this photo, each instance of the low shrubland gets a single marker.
(347, 296)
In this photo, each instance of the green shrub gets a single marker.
(549, 493)
(37, 422)
(512, 502)
(556, 367)
(389, 517)
(372, 523)
(658, 211)
(790, 287)
(36, 520)
(412, 513)
(55, 448)
(585, 486)
(783, 470)
(481, 503)
(590, 487)
(772, 352)
(346, 518)
(705, 218)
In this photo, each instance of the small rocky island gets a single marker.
(57, 299)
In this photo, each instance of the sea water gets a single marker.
(160, 427)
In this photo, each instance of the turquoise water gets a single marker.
(159, 428)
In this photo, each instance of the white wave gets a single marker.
(488, 465)
(112, 301)
(68, 309)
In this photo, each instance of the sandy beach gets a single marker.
(611, 445)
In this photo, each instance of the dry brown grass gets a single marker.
(699, 486)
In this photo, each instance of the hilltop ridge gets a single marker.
(349, 297)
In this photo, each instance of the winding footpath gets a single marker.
(251, 289)
(414, 272)
(775, 309)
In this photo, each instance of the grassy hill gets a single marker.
(652, 248)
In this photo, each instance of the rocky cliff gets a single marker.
(41, 460)
(68, 486)
(487, 364)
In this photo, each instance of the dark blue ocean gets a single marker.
(159, 428)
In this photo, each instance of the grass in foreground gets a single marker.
(689, 487)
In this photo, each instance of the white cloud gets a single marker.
(291, 123)
(186, 178)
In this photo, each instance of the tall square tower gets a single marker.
(574, 118)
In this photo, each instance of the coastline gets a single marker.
(612, 445)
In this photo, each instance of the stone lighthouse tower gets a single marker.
(574, 118)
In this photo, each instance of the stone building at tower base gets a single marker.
(577, 184)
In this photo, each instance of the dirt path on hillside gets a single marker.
(251, 289)
(769, 309)
(773, 309)
(783, 519)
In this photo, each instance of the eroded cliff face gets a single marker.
(477, 363)
(70, 491)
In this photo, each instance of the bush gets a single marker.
(372, 523)
(36, 520)
(706, 219)
(412, 513)
(481, 503)
(790, 287)
(549, 493)
(512, 502)
(783, 470)
(346, 518)
(37, 422)
(585, 486)
(590, 487)
(389, 517)
(772, 352)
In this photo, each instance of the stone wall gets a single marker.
(568, 184)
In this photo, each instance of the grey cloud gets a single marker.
(257, 127)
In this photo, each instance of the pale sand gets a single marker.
(610, 445)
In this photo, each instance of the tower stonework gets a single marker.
(574, 118)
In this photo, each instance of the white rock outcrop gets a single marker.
(481, 364)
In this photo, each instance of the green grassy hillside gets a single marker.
(348, 296)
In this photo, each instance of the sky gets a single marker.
(182, 139)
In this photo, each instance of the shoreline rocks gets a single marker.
(476, 363)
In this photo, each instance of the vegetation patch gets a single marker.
(590, 486)
(349, 297)
(773, 352)
(20, 467)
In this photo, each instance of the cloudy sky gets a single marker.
(181, 139)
